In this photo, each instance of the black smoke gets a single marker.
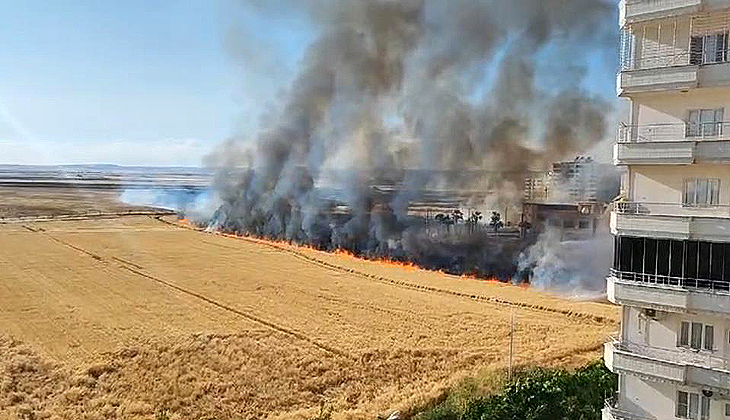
(397, 99)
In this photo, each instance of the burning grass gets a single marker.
(384, 260)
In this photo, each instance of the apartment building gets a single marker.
(671, 268)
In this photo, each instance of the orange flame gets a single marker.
(383, 260)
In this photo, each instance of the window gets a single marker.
(727, 410)
(693, 406)
(705, 122)
(684, 334)
(696, 339)
(709, 337)
(705, 408)
(682, 405)
(697, 336)
(709, 49)
(701, 192)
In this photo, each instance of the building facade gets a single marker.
(671, 268)
(568, 199)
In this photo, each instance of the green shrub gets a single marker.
(540, 394)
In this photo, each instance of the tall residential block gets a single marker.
(671, 266)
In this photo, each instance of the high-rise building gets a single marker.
(671, 268)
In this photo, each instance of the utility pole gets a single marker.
(511, 340)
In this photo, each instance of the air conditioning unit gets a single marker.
(650, 313)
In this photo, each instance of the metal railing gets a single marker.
(661, 280)
(672, 209)
(612, 406)
(694, 357)
(673, 132)
(700, 57)
(654, 61)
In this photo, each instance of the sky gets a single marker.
(135, 82)
(145, 82)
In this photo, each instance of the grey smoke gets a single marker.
(574, 268)
(418, 95)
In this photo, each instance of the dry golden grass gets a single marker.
(59, 200)
(117, 318)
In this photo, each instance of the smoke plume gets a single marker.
(417, 101)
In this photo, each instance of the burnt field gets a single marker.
(121, 317)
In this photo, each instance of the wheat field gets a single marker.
(127, 317)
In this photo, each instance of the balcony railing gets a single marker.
(612, 407)
(660, 280)
(674, 132)
(672, 209)
(683, 357)
(656, 61)
(698, 56)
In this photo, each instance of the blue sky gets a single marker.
(146, 82)
(134, 82)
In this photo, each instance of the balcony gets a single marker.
(632, 11)
(682, 367)
(670, 77)
(673, 143)
(680, 71)
(668, 293)
(613, 411)
(673, 132)
(671, 221)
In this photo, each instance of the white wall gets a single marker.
(649, 399)
(664, 331)
(673, 107)
(658, 400)
(664, 184)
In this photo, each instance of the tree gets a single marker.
(473, 220)
(457, 216)
(445, 219)
(496, 221)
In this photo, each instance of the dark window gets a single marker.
(703, 263)
(677, 258)
(637, 263)
(708, 49)
(726, 263)
(717, 261)
(650, 256)
(662, 265)
(625, 263)
(709, 337)
(695, 50)
(690, 265)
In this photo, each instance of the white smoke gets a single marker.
(576, 268)
(199, 206)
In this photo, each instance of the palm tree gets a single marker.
(445, 219)
(496, 221)
(474, 221)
